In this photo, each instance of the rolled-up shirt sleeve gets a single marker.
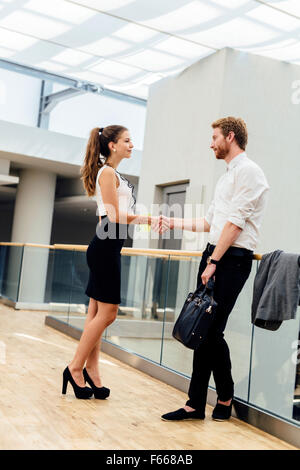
(250, 185)
(210, 213)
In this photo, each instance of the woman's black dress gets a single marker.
(104, 261)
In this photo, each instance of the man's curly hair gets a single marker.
(236, 125)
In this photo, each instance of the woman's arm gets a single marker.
(107, 183)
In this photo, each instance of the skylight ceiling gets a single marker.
(126, 45)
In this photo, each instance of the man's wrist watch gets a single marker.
(211, 261)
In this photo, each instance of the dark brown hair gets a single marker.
(236, 125)
(98, 145)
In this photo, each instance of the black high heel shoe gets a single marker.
(99, 392)
(80, 392)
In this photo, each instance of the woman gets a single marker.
(115, 201)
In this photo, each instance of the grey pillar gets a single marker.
(32, 224)
(34, 207)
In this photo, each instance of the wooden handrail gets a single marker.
(62, 246)
(158, 253)
(11, 244)
(37, 245)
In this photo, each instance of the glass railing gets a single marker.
(11, 256)
(154, 286)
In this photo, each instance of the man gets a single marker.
(233, 221)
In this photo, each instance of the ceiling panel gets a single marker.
(127, 45)
(289, 6)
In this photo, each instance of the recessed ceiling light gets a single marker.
(34, 25)
(60, 9)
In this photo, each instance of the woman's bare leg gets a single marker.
(95, 324)
(92, 361)
(92, 364)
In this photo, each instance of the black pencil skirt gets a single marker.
(104, 261)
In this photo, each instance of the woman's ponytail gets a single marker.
(92, 162)
(97, 145)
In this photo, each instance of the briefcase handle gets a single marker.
(205, 289)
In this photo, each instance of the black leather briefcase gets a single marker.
(196, 317)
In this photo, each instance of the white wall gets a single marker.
(19, 103)
(79, 114)
(19, 98)
(260, 90)
(39, 147)
(177, 138)
(178, 135)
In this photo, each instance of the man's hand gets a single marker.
(164, 223)
(160, 223)
(208, 273)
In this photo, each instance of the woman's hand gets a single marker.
(159, 224)
(154, 223)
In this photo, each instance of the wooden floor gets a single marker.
(34, 414)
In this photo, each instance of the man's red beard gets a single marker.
(221, 153)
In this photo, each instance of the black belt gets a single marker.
(232, 250)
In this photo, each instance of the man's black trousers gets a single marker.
(213, 356)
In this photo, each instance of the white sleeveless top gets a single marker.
(125, 195)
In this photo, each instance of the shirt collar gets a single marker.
(236, 160)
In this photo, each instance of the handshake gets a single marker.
(160, 223)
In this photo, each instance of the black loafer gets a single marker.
(221, 412)
(182, 415)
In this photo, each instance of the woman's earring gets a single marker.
(114, 150)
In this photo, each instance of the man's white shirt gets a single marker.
(240, 197)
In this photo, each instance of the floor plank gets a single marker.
(34, 414)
